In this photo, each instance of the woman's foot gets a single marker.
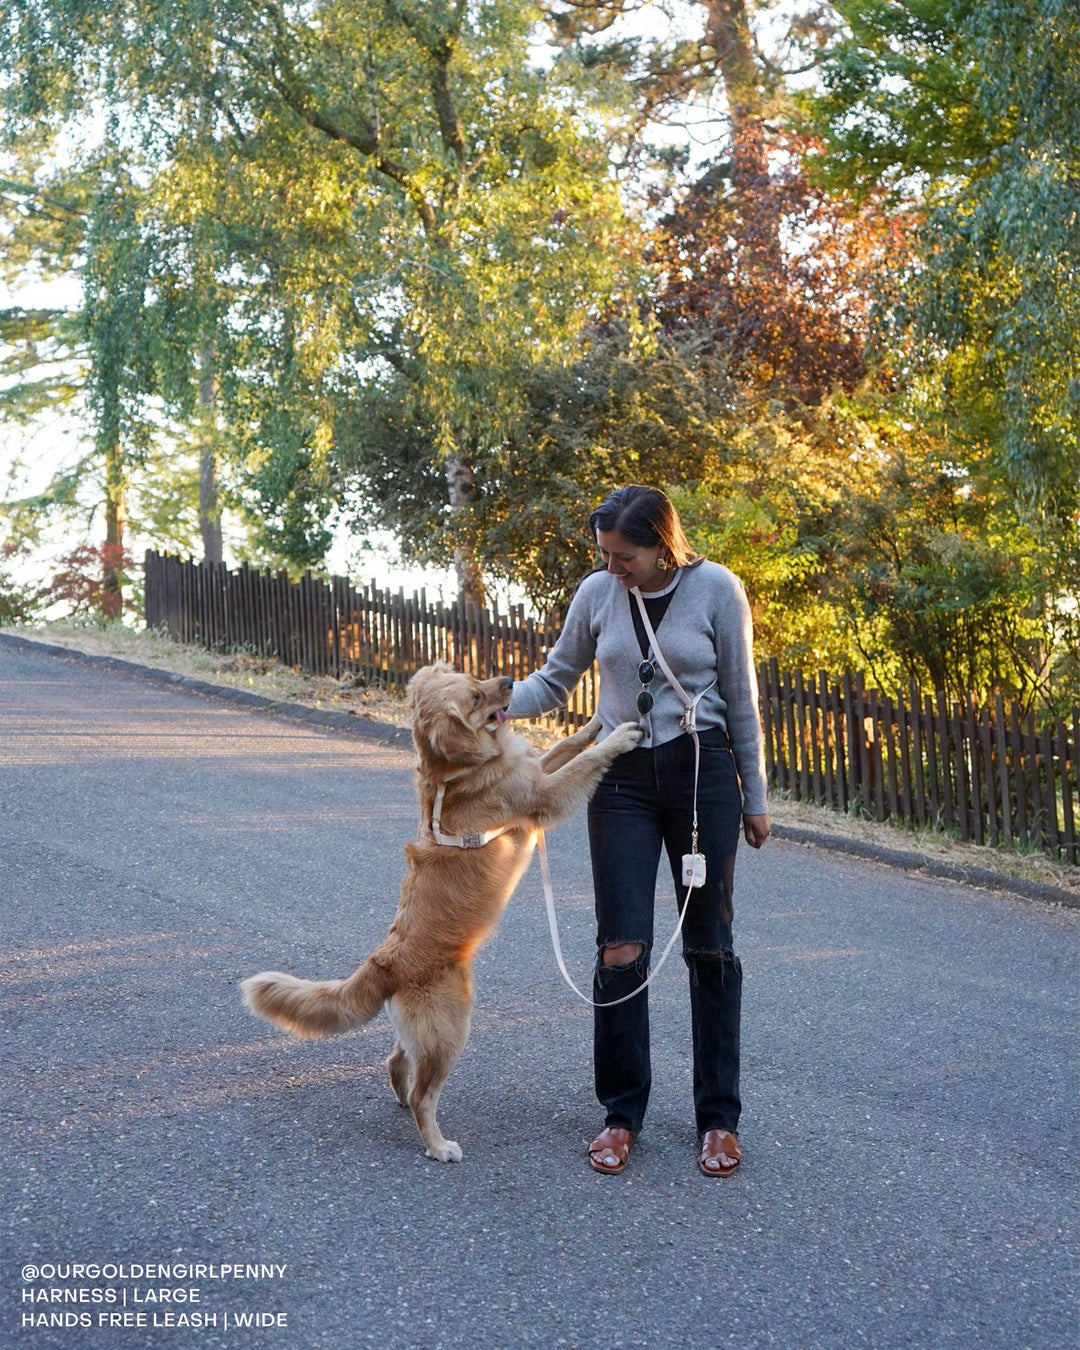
(610, 1150)
(720, 1153)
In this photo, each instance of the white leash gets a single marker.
(477, 839)
(553, 924)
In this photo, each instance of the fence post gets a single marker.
(1016, 761)
(1051, 836)
(765, 696)
(1038, 814)
(907, 779)
(971, 761)
(874, 752)
(1068, 830)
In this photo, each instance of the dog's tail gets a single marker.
(319, 1007)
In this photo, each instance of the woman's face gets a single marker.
(632, 564)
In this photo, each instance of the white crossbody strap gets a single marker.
(689, 717)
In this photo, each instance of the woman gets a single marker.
(701, 620)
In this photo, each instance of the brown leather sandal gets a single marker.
(721, 1149)
(610, 1150)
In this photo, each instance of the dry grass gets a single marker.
(929, 844)
(263, 675)
(239, 669)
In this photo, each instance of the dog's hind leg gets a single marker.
(433, 1026)
(431, 1073)
(398, 1067)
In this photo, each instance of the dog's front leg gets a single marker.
(562, 792)
(571, 746)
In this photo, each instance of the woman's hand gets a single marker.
(756, 830)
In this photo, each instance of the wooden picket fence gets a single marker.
(983, 770)
(980, 769)
(336, 628)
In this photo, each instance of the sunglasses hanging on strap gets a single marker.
(693, 863)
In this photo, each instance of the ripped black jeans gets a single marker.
(645, 803)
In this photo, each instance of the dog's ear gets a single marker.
(424, 677)
(450, 738)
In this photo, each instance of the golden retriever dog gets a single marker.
(451, 895)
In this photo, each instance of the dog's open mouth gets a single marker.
(498, 716)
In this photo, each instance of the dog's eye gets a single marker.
(476, 698)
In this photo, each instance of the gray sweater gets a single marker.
(706, 635)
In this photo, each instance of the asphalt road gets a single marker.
(910, 1077)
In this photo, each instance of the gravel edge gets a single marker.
(371, 730)
(936, 868)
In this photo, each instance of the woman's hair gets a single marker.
(646, 517)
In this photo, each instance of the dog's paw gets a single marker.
(625, 737)
(590, 730)
(447, 1151)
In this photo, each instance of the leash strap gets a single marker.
(553, 925)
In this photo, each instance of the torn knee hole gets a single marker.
(622, 953)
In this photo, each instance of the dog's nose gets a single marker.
(508, 683)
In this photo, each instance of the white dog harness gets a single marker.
(472, 839)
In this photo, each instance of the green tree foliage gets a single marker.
(940, 574)
(18, 600)
(400, 190)
(377, 263)
(635, 403)
(41, 231)
(972, 111)
(106, 357)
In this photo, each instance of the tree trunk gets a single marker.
(112, 592)
(209, 508)
(209, 496)
(727, 30)
(461, 492)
